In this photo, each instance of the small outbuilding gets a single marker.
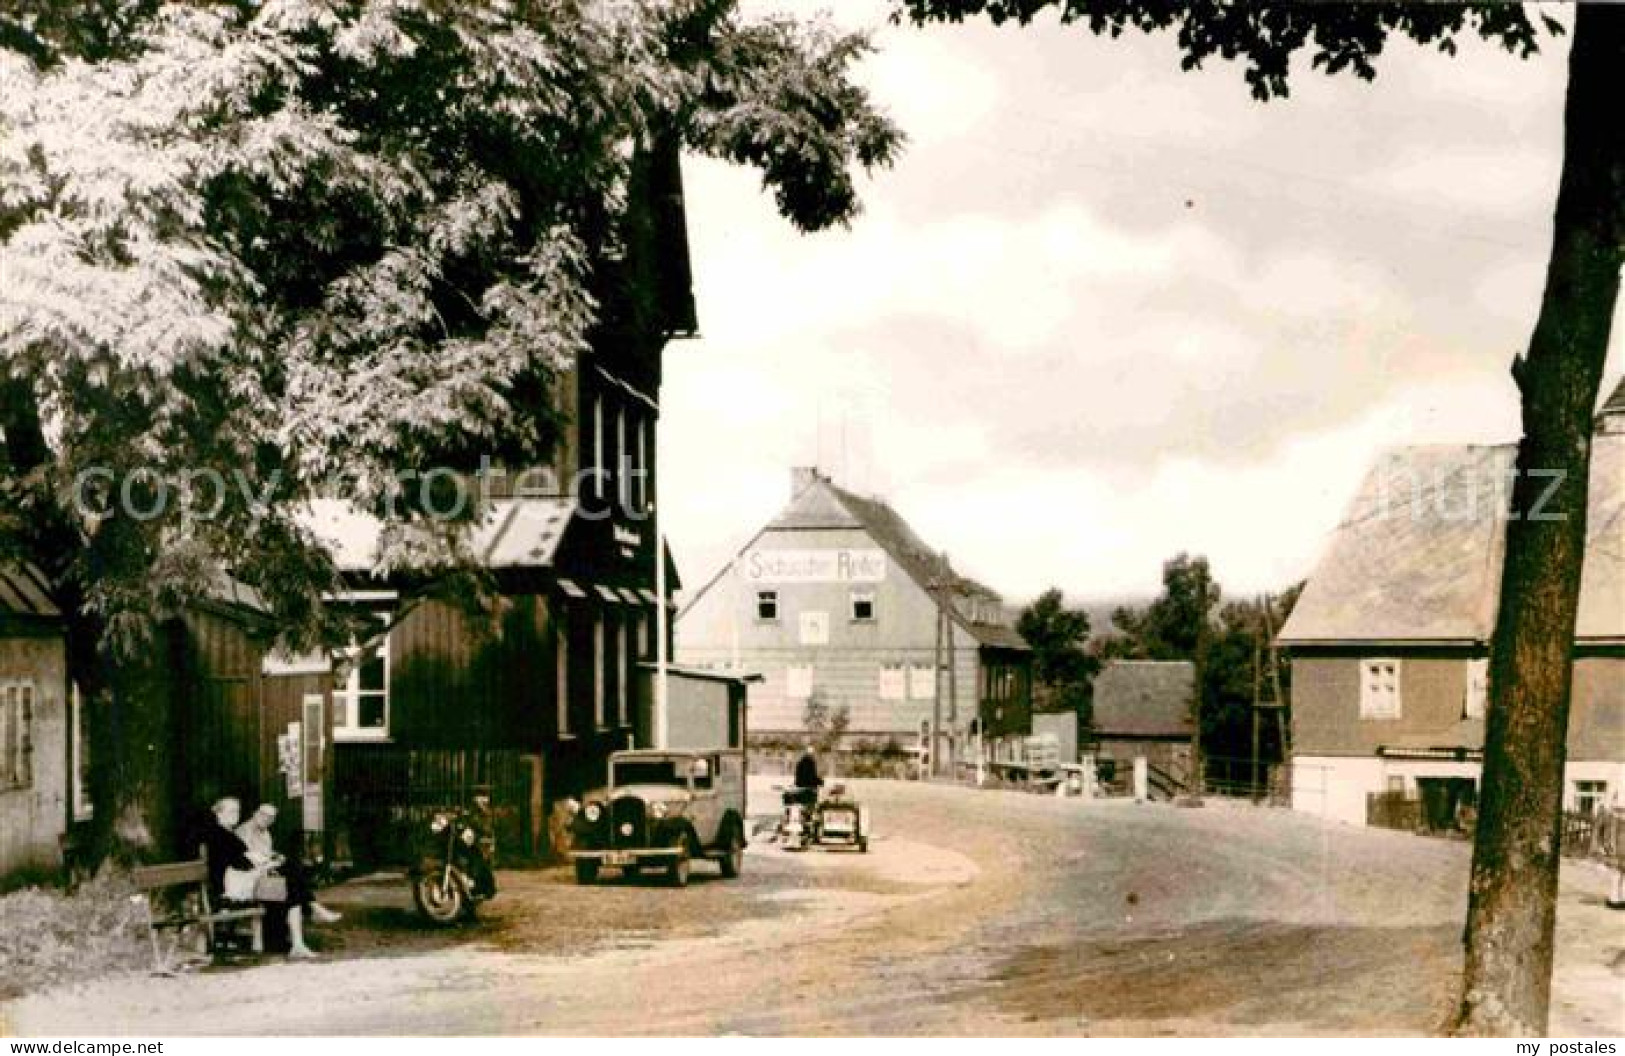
(37, 789)
(1144, 708)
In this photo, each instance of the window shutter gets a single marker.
(8, 748)
(25, 760)
(313, 723)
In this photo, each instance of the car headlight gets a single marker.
(470, 836)
(439, 823)
(593, 812)
(658, 810)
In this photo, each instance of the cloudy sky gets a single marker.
(1102, 311)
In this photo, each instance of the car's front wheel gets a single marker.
(586, 871)
(681, 864)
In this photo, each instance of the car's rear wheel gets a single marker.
(677, 872)
(586, 871)
(733, 854)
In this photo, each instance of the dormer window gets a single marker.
(767, 606)
(863, 606)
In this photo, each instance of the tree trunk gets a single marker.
(127, 697)
(1512, 901)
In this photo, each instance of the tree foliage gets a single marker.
(258, 252)
(306, 243)
(1062, 665)
(1264, 37)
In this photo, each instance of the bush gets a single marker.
(48, 937)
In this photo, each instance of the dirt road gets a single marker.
(975, 912)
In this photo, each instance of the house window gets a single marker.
(893, 682)
(798, 681)
(598, 472)
(361, 705)
(1478, 688)
(625, 639)
(1379, 689)
(16, 734)
(623, 494)
(598, 670)
(1590, 796)
(922, 682)
(767, 605)
(642, 479)
(82, 809)
(863, 606)
(561, 673)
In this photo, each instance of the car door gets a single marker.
(706, 811)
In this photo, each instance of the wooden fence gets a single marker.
(1405, 811)
(381, 793)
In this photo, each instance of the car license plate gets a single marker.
(620, 858)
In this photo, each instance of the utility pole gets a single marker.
(941, 587)
(953, 675)
(1258, 698)
(1195, 791)
(1267, 691)
(934, 743)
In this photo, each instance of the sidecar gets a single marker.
(841, 820)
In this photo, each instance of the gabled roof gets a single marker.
(24, 591)
(1615, 403)
(1417, 557)
(1144, 698)
(823, 504)
(516, 533)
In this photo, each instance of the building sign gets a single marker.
(815, 628)
(814, 566)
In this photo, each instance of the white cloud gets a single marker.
(1104, 311)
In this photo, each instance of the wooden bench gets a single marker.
(182, 889)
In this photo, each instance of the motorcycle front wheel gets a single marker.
(438, 898)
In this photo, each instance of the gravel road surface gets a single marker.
(976, 912)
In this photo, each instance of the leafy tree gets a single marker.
(304, 244)
(825, 725)
(1062, 665)
(1506, 987)
(1171, 627)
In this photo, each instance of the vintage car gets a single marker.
(662, 810)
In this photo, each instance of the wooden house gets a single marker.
(1390, 640)
(37, 781)
(528, 696)
(1144, 708)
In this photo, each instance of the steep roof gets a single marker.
(24, 591)
(1144, 698)
(517, 533)
(1615, 403)
(823, 504)
(923, 565)
(1417, 557)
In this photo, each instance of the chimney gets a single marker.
(802, 478)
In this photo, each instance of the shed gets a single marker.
(36, 788)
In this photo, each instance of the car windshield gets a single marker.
(648, 772)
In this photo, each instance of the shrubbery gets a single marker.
(49, 937)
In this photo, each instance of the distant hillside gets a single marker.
(1099, 610)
